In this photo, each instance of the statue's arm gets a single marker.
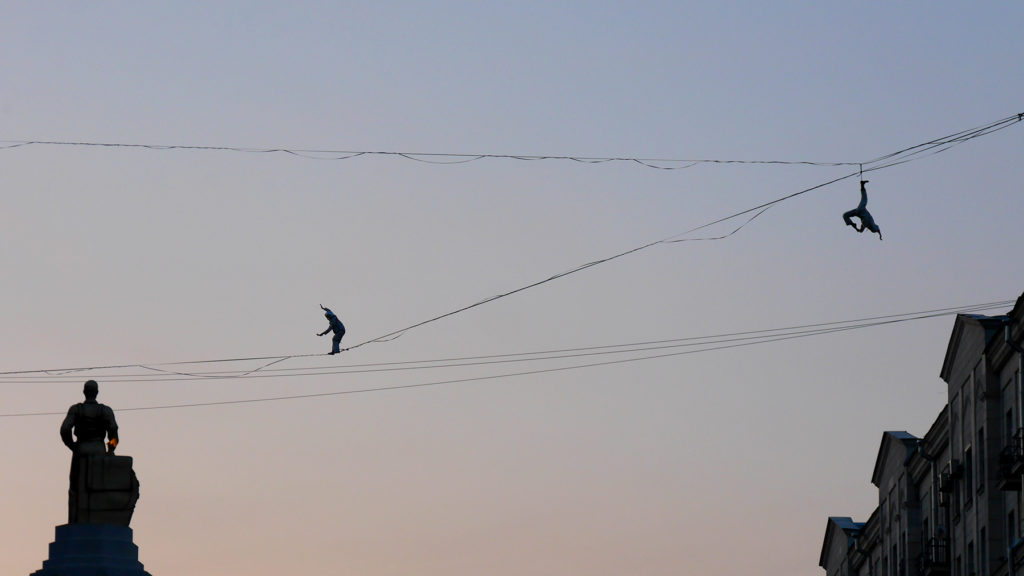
(66, 427)
(111, 424)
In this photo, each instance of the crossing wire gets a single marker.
(901, 156)
(752, 335)
(814, 330)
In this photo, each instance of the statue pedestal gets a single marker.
(93, 550)
(104, 490)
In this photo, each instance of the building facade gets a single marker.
(949, 503)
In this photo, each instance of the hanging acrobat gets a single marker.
(861, 211)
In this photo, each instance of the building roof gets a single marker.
(838, 525)
(991, 324)
(1018, 308)
(889, 439)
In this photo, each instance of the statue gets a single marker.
(103, 491)
(103, 488)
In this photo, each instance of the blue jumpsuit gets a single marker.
(338, 328)
(861, 211)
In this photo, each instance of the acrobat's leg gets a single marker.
(847, 217)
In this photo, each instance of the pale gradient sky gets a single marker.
(725, 462)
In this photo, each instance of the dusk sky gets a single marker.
(723, 462)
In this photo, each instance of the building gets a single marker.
(949, 503)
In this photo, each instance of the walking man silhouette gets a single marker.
(336, 326)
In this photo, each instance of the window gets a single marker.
(981, 459)
(1011, 528)
(968, 475)
(1008, 425)
(970, 558)
(903, 554)
(955, 493)
(954, 406)
(1016, 383)
(901, 501)
(965, 410)
(926, 514)
(983, 552)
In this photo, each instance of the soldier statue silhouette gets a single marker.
(103, 488)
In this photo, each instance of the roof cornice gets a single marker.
(990, 324)
(904, 438)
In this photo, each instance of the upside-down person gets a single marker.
(861, 211)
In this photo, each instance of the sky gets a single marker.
(718, 462)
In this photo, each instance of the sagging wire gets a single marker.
(540, 355)
(425, 157)
(888, 160)
(726, 345)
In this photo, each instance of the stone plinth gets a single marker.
(105, 490)
(93, 550)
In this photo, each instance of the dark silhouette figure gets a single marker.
(861, 211)
(336, 326)
(103, 487)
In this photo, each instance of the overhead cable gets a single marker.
(658, 163)
(904, 155)
(817, 329)
(899, 157)
(426, 157)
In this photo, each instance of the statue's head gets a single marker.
(91, 389)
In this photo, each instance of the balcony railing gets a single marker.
(951, 472)
(934, 559)
(1011, 462)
